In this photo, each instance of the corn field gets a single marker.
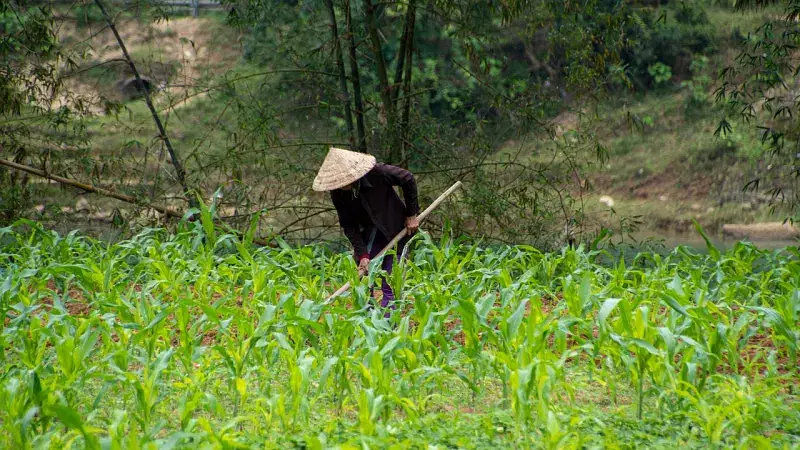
(196, 339)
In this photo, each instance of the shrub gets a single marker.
(699, 98)
(655, 39)
(660, 72)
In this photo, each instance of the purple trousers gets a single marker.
(378, 242)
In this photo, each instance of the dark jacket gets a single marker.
(374, 203)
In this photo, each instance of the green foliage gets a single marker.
(660, 72)
(470, 89)
(15, 197)
(286, 33)
(25, 34)
(742, 142)
(699, 97)
(29, 83)
(756, 91)
(196, 340)
(87, 13)
(668, 36)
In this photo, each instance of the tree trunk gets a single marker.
(409, 57)
(337, 48)
(356, 80)
(383, 81)
(179, 172)
(405, 41)
(401, 59)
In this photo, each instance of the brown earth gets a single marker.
(175, 54)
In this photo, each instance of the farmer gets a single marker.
(370, 211)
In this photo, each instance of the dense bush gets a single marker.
(667, 36)
(661, 44)
(289, 36)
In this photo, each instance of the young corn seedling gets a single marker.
(194, 339)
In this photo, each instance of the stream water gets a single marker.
(669, 241)
(645, 240)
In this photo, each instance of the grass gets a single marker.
(666, 166)
(196, 339)
(727, 22)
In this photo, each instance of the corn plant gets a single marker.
(194, 338)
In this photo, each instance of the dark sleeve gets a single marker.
(397, 176)
(349, 225)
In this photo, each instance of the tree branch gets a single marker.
(401, 59)
(93, 66)
(411, 18)
(179, 171)
(90, 188)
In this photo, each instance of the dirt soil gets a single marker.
(175, 54)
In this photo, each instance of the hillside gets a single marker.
(673, 170)
(664, 169)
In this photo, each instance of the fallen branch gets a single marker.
(116, 195)
(89, 188)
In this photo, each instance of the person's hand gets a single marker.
(363, 267)
(412, 224)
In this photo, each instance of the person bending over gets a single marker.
(370, 211)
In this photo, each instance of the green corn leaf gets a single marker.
(606, 309)
(779, 323)
(585, 289)
(157, 319)
(27, 419)
(283, 342)
(715, 254)
(68, 416)
(516, 319)
(390, 346)
(645, 345)
(241, 386)
(484, 305)
(676, 285)
(618, 339)
(162, 362)
(326, 370)
(669, 339)
(673, 303)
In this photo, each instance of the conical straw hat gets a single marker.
(342, 167)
